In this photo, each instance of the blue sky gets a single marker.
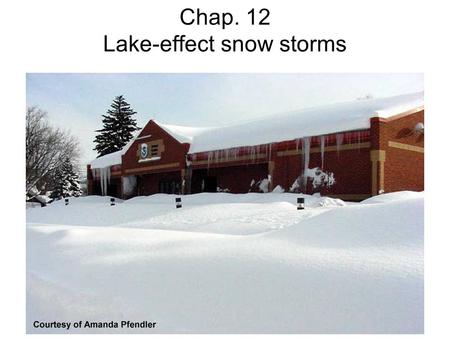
(76, 101)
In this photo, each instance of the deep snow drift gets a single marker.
(229, 263)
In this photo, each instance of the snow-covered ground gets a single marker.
(229, 263)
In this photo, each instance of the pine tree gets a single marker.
(118, 127)
(66, 182)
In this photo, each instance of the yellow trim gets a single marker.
(329, 148)
(374, 177)
(381, 184)
(404, 146)
(153, 167)
(222, 160)
(377, 157)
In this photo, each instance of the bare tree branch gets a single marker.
(46, 147)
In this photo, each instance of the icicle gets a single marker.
(210, 153)
(322, 148)
(339, 140)
(306, 146)
(359, 140)
(104, 176)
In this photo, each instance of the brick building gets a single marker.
(350, 150)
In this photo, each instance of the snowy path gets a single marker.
(230, 263)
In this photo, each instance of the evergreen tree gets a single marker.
(66, 182)
(118, 127)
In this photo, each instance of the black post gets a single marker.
(113, 201)
(66, 201)
(300, 203)
(178, 202)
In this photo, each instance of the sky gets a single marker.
(75, 102)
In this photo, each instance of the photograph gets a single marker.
(225, 202)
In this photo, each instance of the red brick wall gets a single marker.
(351, 169)
(174, 152)
(404, 169)
(114, 187)
(235, 178)
(149, 184)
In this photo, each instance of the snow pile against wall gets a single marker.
(322, 120)
(393, 196)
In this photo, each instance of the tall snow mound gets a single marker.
(394, 223)
(393, 196)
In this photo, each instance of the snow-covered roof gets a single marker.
(183, 134)
(114, 158)
(107, 160)
(321, 120)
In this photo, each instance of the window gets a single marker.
(154, 150)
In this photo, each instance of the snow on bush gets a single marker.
(264, 185)
(278, 189)
(320, 178)
(316, 176)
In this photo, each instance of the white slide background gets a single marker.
(382, 36)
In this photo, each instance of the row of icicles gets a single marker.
(216, 156)
(104, 175)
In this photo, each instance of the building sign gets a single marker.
(150, 151)
(144, 150)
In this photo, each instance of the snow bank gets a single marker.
(33, 205)
(229, 263)
(393, 196)
(252, 213)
